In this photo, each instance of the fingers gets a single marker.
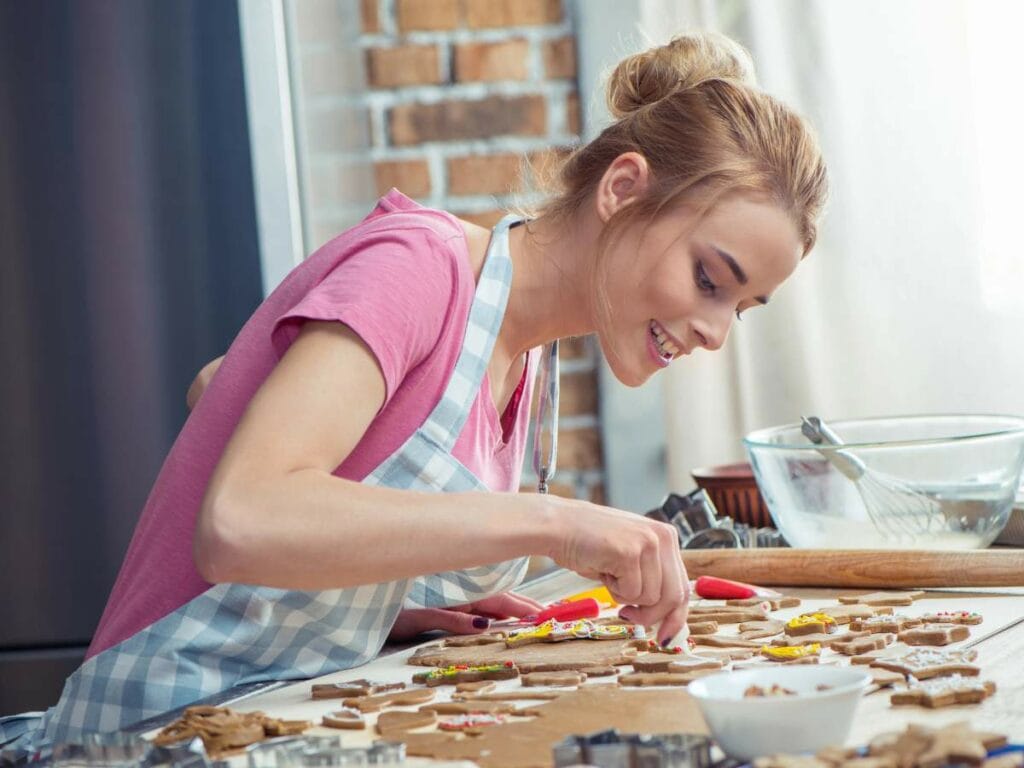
(414, 622)
(505, 605)
(664, 596)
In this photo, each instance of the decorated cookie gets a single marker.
(935, 634)
(859, 645)
(389, 723)
(926, 663)
(553, 679)
(345, 718)
(558, 631)
(353, 688)
(944, 692)
(470, 723)
(463, 673)
(392, 699)
(952, 617)
(892, 623)
(844, 614)
(810, 624)
(884, 598)
(825, 641)
(789, 652)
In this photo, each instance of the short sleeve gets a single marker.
(395, 291)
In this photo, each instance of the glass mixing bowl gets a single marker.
(905, 482)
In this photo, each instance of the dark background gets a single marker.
(128, 258)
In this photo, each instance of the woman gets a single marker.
(398, 361)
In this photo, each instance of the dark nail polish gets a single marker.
(481, 623)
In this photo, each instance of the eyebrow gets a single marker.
(737, 270)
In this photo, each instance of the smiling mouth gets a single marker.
(663, 342)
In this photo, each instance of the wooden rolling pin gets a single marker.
(860, 567)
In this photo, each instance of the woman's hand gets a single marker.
(471, 619)
(635, 557)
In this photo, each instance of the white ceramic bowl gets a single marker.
(746, 728)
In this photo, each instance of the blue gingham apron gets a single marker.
(235, 633)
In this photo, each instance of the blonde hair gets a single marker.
(693, 110)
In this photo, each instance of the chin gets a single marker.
(629, 375)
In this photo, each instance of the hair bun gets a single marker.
(684, 62)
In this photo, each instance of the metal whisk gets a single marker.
(895, 508)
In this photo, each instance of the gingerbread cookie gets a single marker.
(844, 614)
(692, 664)
(922, 747)
(727, 615)
(757, 630)
(944, 692)
(462, 673)
(825, 641)
(469, 707)
(353, 688)
(565, 679)
(935, 634)
(726, 654)
(859, 645)
(702, 627)
(477, 686)
(552, 631)
(346, 718)
(952, 617)
(648, 679)
(884, 678)
(461, 641)
(392, 723)
(894, 650)
(225, 732)
(884, 598)
(790, 652)
(603, 671)
(774, 603)
(891, 624)
(519, 695)
(393, 699)
(725, 641)
(811, 624)
(926, 663)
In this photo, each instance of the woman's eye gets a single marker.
(703, 281)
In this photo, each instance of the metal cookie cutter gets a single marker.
(700, 527)
(610, 749)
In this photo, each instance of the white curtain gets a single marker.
(912, 301)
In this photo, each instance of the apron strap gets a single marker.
(485, 315)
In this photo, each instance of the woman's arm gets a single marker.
(274, 514)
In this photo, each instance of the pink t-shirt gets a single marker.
(403, 281)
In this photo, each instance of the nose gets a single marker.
(711, 333)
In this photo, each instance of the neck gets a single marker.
(551, 291)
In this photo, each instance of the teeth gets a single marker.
(666, 348)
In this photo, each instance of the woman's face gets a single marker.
(678, 283)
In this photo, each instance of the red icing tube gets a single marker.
(714, 588)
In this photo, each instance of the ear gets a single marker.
(625, 180)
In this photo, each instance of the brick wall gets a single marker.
(444, 99)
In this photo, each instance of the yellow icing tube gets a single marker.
(601, 594)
